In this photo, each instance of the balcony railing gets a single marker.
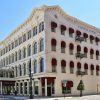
(80, 73)
(80, 55)
(78, 38)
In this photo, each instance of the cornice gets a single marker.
(46, 8)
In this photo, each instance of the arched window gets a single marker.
(19, 54)
(20, 70)
(16, 56)
(78, 49)
(78, 66)
(91, 53)
(24, 52)
(97, 55)
(41, 45)
(85, 35)
(97, 70)
(71, 31)
(78, 33)
(92, 69)
(35, 66)
(53, 26)
(85, 51)
(63, 29)
(71, 48)
(86, 68)
(71, 67)
(42, 65)
(35, 48)
(54, 64)
(97, 40)
(53, 44)
(24, 69)
(63, 66)
(29, 50)
(91, 39)
(63, 46)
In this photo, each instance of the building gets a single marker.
(60, 48)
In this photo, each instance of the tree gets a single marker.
(80, 87)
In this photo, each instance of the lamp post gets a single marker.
(30, 82)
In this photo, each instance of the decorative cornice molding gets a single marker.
(47, 8)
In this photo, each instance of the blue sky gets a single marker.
(14, 12)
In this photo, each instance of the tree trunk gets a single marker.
(80, 93)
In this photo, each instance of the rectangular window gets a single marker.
(92, 72)
(63, 69)
(29, 34)
(97, 72)
(62, 32)
(86, 71)
(85, 39)
(97, 57)
(53, 68)
(62, 49)
(91, 56)
(70, 52)
(91, 41)
(24, 37)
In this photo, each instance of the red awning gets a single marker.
(97, 67)
(78, 65)
(78, 32)
(71, 46)
(63, 63)
(97, 52)
(53, 42)
(78, 48)
(91, 37)
(63, 28)
(85, 49)
(53, 24)
(85, 35)
(69, 84)
(63, 44)
(96, 39)
(72, 64)
(91, 51)
(85, 66)
(54, 61)
(71, 30)
(92, 67)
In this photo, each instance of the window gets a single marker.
(24, 52)
(63, 46)
(91, 53)
(35, 31)
(71, 31)
(91, 39)
(19, 54)
(20, 40)
(29, 34)
(85, 35)
(53, 44)
(97, 70)
(71, 47)
(85, 51)
(92, 69)
(63, 29)
(63, 66)
(35, 66)
(41, 45)
(35, 48)
(86, 68)
(97, 55)
(71, 67)
(42, 26)
(29, 50)
(15, 56)
(66, 90)
(12, 58)
(53, 26)
(16, 43)
(54, 65)
(12, 45)
(42, 65)
(24, 69)
(20, 70)
(24, 37)
(78, 66)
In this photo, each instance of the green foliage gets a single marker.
(80, 85)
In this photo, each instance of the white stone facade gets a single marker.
(52, 61)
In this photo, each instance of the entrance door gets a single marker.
(48, 91)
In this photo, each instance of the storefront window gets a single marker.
(66, 90)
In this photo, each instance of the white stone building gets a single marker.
(59, 46)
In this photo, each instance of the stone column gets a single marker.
(19, 88)
(23, 88)
(45, 86)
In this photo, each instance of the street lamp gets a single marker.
(30, 82)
